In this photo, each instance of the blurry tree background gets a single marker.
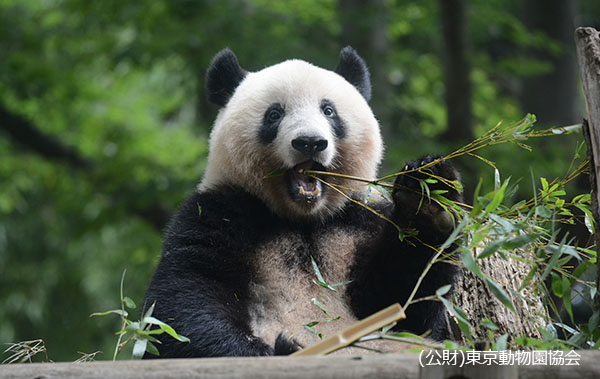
(104, 122)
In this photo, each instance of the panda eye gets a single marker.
(274, 115)
(328, 111)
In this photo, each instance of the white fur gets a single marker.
(236, 155)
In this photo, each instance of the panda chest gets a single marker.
(284, 297)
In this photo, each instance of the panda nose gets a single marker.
(309, 145)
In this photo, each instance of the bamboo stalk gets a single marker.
(344, 338)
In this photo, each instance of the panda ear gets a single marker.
(223, 76)
(354, 69)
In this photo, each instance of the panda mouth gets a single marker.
(302, 187)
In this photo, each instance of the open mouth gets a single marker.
(302, 187)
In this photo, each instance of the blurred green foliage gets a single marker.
(120, 85)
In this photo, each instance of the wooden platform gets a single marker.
(398, 366)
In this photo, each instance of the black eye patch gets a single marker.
(270, 124)
(330, 113)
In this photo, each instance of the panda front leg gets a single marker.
(413, 206)
(387, 268)
(414, 209)
(205, 310)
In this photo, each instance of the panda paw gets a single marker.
(412, 196)
(285, 345)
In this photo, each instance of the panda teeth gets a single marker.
(314, 193)
(304, 188)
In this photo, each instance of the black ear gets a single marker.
(223, 76)
(354, 69)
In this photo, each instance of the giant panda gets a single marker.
(236, 275)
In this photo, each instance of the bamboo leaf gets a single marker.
(501, 342)
(469, 263)
(139, 348)
(129, 303)
(278, 172)
(119, 312)
(499, 293)
(497, 199)
(487, 323)
(566, 297)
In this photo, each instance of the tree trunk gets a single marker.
(587, 41)
(456, 71)
(478, 302)
(551, 96)
(364, 27)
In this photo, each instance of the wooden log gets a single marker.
(400, 366)
(587, 42)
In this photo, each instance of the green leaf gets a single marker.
(583, 267)
(501, 342)
(490, 249)
(133, 326)
(151, 348)
(424, 189)
(129, 303)
(477, 207)
(519, 241)
(405, 335)
(139, 348)
(497, 182)
(507, 225)
(166, 328)
(443, 290)
(316, 302)
(593, 321)
(487, 323)
(566, 287)
(454, 234)
(469, 263)
(309, 327)
(463, 324)
(384, 192)
(368, 194)
(497, 199)
(199, 209)
(589, 218)
(543, 211)
(320, 280)
(458, 186)
(278, 172)
(316, 270)
(341, 283)
(119, 312)
(576, 128)
(499, 293)
(556, 253)
(150, 310)
(556, 284)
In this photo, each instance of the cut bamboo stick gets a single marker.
(344, 338)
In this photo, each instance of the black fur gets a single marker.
(269, 127)
(339, 129)
(200, 286)
(223, 76)
(354, 69)
(286, 345)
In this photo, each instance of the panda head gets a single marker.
(286, 118)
